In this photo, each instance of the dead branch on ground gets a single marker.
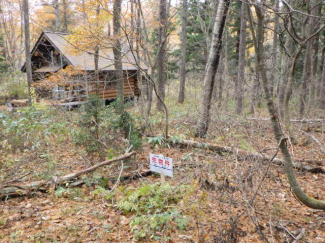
(25, 189)
(315, 140)
(244, 154)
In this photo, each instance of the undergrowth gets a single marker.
(100, 127)
(155, 208)
(29, 128)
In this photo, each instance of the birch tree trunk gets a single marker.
(211, 68)
(181, 95)
(280, 137)
(241, 60)
(27, 50)
(117, 49)
(161, 59)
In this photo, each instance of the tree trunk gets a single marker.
(96, 56)
(284, 76)
(322, 93)
(306, 73)
(65, 17)
(256, 81)
(241, 60)
(280, 137)
(161, 61)
(57, 15)
(117, 49)
(84, 14)
(316, 11)
(211, 68)
(220, 76)
(27, 50)
(181, 95)
(133, 27)
(305, 80)
(274, 51)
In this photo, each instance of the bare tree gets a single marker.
(317, 11)
(65, 16)
(241, 60)
(96, 55)
(117, 51)
(27, 50)
(322, 93)
(307, 72)
(161, 57)
(181, 95)
(57, 14)
(211, 68)
(274, 49)
(280, 137)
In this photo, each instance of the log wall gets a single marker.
(108, 91)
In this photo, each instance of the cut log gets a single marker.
(244, 154)
(25, 189)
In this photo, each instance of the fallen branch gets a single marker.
(315, 140)
(243, 154)
(25, 189)
(291, 120)
(134, 175)
(299, 236)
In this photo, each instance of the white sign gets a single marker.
(161, 164)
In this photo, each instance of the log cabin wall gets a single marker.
(106, 88)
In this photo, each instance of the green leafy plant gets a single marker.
(29, 127)
(126, 124)
(154, 209)
(156, 141)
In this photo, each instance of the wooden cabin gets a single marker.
(66, 74)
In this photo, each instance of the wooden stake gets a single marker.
(162, 178)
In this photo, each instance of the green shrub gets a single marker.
(89, 133)
(13, 85)
(126, 124)
(29, 127)
(99, 124)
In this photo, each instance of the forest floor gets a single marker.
(227, 199)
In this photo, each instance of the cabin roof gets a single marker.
(82, 60)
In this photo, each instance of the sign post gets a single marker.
(162, 165)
